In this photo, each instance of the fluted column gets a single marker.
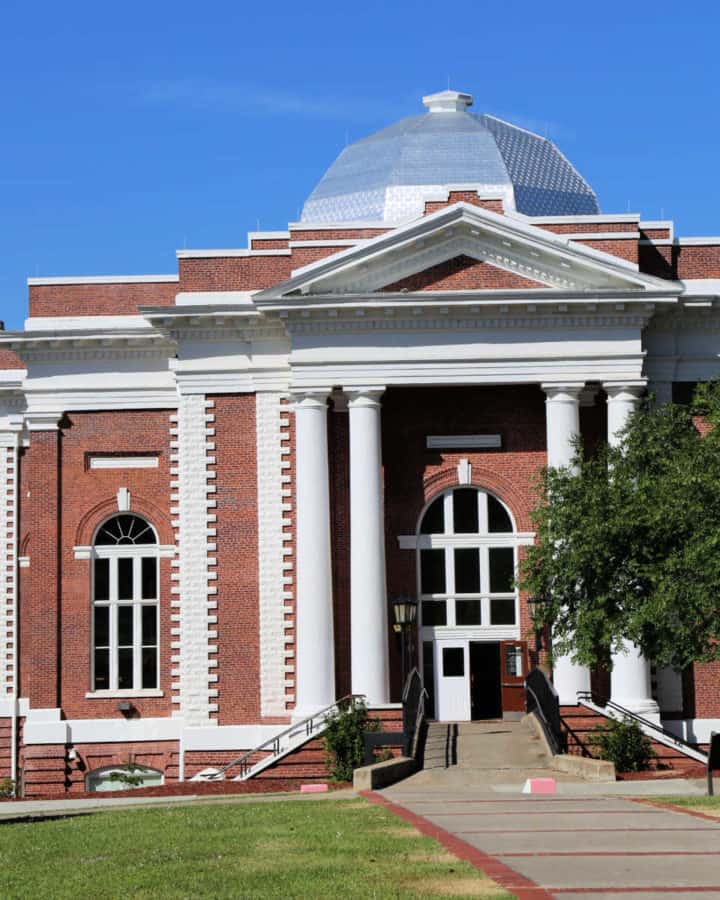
(562, 420)
(368, 594)
(315, 651)
(630, 684)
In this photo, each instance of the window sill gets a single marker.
(118, 695)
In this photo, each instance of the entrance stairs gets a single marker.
(581, 722)
(492, 751)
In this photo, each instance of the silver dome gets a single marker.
(388, 176)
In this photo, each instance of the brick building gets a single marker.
(215, 480)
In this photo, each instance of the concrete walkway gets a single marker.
(568, 846)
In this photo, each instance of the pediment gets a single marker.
(465, 248)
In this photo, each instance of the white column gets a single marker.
(562, 419)
(630, 677)
(368, 594)
(315, 645)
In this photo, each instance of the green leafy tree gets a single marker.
(629, 540)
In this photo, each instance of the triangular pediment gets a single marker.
(495, 252)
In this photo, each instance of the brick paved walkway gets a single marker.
(569, 847)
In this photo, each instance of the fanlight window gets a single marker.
(467, 546)
(111, 778)
(125, 606)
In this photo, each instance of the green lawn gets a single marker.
(286, 849)
(708, 805)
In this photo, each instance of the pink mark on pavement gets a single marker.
(540, 786)
(313, 788)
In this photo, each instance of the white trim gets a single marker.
(462, 441)
(692, 730)
(229, 737)
(105, 279)
(600, 218)
(85, 323)
(213, 298)
(163, 551)
(123, 462)
(602, 235)
(698, 241)
(430, 541)
(267, 235)
(362, 225)
(338, 242)
(243, 251)
(119, 730)
(119, 695)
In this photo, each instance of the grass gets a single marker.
(282, 849)
(708, 805)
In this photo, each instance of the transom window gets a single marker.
(467, 549)
(125, 605)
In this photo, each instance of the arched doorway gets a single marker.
(474, 662)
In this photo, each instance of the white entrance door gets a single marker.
(452, 680)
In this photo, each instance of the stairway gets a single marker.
(579, 723)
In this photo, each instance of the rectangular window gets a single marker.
(502, 570)
(432, 571)
(502, 611)
(453, 662)
(468, 612)
(434, 612)
(467, 570)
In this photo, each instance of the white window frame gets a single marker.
(113, 553)
(483, 541)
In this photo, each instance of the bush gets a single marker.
(623, 743)
(129, 776)
(7, 788)
(344, 739)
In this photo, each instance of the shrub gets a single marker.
(7, 788)
(623, 743)
(129, 776)
(344, 739)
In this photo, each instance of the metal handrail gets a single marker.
(274, 742)
(647, 723)
(548, 708)
(413, 722)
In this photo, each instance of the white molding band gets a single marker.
(273, 503)
(105, 279)
(193, 603)
(8, 567)
(463, 441)
(123, 462)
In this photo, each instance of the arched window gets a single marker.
(125, 605)
(119, 778)
(467, 549)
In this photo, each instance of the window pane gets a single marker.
(125, 626)
(125, 668)
(149, 667)
(432, 571)
(502, 612)
(102, 626)
(513, 662)
(102, 670)
(467, 570)
(125, 579)
(453, 662)
(498, 519)
(433, 520)
(502, 570)
(467, 612)
(434, 612)
(149, 625)
(149, 578)
(102, 579)
(465, 511)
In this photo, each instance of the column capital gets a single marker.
(43, 421)
(566, 391)
(369, 397)
(317, 398)
(629, 391)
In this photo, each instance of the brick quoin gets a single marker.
(472, 197)
(463, 274)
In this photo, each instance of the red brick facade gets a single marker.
(463, 274)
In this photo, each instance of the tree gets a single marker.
(629, 540)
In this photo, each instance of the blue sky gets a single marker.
(129, 130)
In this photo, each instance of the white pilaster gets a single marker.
(368, 594)
(630, 683)
(9, 443)
(315, 645)
(194, 603)
(562, 420)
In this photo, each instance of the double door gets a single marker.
(479, 679)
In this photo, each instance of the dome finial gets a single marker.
(448, 101)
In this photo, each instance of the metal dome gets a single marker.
(389, 175)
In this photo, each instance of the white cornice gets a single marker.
(105, 279)
(267, 235)
(599, 218)
(214, 298)
(227, 253)
(84, 323)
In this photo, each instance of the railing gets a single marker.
(664, 736)
(274, 745)
(542, 699)
(413, 701)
